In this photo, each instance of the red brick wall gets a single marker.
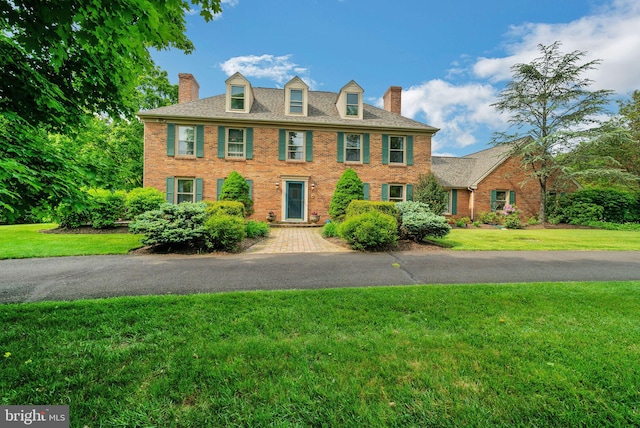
(265, 169)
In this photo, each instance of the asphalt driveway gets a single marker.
(70, 278)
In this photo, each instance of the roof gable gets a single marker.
(468, 171)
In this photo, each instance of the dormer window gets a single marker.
(237, 97)
(349, 103)
(239, 94)
(296, 97)
(353, 104)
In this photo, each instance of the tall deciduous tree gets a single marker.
(61, 62)
(548, 101)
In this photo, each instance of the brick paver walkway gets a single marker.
(295, 240)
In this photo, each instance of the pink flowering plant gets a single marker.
(512, 217)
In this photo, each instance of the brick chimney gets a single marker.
(393, 99)
(188, 88)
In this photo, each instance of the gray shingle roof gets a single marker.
(468, 170)
(269, 106)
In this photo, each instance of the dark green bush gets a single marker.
(257, 229)
(236, 188)
(583, 213)
(357, 207)
(618, 206)
(173, 225)
(70, 216)
(143, 199)
(225, 231)
(234, 208)
(429, 191)
(107, 207)
(330, 230)
(348, 188)
(418, 221)
(370, 231)
(489, 218)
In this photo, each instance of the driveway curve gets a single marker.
(70, 278)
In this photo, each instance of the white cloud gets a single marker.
(610, 34)
(279, 69)
(459, 110)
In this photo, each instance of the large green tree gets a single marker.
(62, 62)
(550, 111)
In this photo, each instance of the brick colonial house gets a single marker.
(291, 145)
(485, 181)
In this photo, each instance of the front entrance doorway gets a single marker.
(294, 197)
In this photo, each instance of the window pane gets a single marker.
(395, 192)
(296, 95)
(236, 135)
(295, 108)
(396, 157)
(185, 147)
(296, 138)
(396, 143)
(295, 148)
(353, 140)
(185, 197)
(352, 110)
(352, 99)
(185, 186)
(237, 97)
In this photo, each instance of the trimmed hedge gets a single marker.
(225, 231)
(370, 231)
(233, 208)
(107, 207)
(357, 207)
(143, 199)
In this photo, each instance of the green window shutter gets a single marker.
(340, 146)
(385, 149)
(282, 144)
(199, 141)
(409, 189)
(385, 192)
(222, 138)
(409, 150)
(198, 189)
(512, 197)
(250, 183)
(366, 154)
(219, 183)
(366, 190)
(170, 189)
(171, 139)
(454, 201)
(249, 143)
(493, 200)
(308, 149)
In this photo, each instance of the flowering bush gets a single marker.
(512, 217)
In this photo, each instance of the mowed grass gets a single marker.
(26, 241)
(547, 354)
(472, 239)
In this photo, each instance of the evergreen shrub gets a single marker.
(357, 207)
(233, 208)
(225, 231)
(143, 199)
(370, 231)
(348, 188)
(173, 225)
(236, 188)
(257, 229)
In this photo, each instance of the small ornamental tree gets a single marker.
(348, 188)
(236, 188)
(430, 192)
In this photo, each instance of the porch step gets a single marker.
(286, 224)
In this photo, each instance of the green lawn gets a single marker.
(26, 241)
(548, 354)
(540, 239)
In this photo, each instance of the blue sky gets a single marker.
(450, 57)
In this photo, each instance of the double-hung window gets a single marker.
(235, 143)
(237, 97)
(295, 145)
(185, 190)
(353, 104)
(396, 193)
(295, 101)
(186, 140)
(500, 200)
(353, 148)
(397, 149)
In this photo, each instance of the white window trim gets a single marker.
(175, 190)
(449, 202)
(341, 104)
(304, 144)
(361, 148)
(239, 80)
(296, 84)
(404, 150)
(177, 139)
(506, 199)
(404, 192)
(357, 105)
(243, 98)
(227, 142)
